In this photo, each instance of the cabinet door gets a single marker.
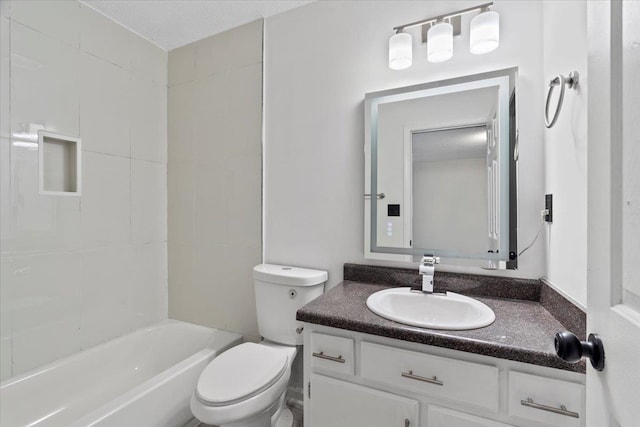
(442, 417)
(337, 403)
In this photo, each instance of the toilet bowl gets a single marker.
(246, 385)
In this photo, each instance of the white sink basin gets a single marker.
(435, 311)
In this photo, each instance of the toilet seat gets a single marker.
(240, 373)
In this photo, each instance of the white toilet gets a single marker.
(245, 386)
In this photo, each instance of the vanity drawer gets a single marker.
(454, 380)
(332, 354)
(541, 400)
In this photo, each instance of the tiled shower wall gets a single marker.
(215, 179)
(77, 271)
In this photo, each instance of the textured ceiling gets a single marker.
(174, 23)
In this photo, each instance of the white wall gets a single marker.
(320, 60)
(215, 179)
(565, 50)
(77, 271)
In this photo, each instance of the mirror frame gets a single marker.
(505, 80)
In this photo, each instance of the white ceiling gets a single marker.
(174, 23)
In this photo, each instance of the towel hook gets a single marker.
(560, 80)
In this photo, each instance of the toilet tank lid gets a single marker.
(286, 275)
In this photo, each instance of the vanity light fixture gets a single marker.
(400, 51)
(438, 33)
(484, 32)
(440, 42)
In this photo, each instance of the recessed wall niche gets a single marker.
(59, 164)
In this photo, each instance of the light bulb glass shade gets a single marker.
(400, 51)
(484, 32)
(440, 42)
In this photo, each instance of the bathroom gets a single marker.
(153, 155)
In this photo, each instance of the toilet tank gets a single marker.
(280, 291)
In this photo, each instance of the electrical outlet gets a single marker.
(548, 206)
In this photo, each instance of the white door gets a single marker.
(337, 403)
(613, 395)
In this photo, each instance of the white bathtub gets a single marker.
(142, 379)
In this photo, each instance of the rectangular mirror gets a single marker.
(440, 174)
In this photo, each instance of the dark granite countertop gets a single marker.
(523, 330)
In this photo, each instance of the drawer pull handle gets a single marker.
(412, 376)
(407, 423)
(321, 355)
(562, 410)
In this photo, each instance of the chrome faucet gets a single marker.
(427, 270)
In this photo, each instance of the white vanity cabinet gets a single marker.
(354, 379)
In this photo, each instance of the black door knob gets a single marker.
(572, 350)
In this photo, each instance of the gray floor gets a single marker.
(297, 418)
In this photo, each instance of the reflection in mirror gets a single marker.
(443, 156)
(448, 169)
